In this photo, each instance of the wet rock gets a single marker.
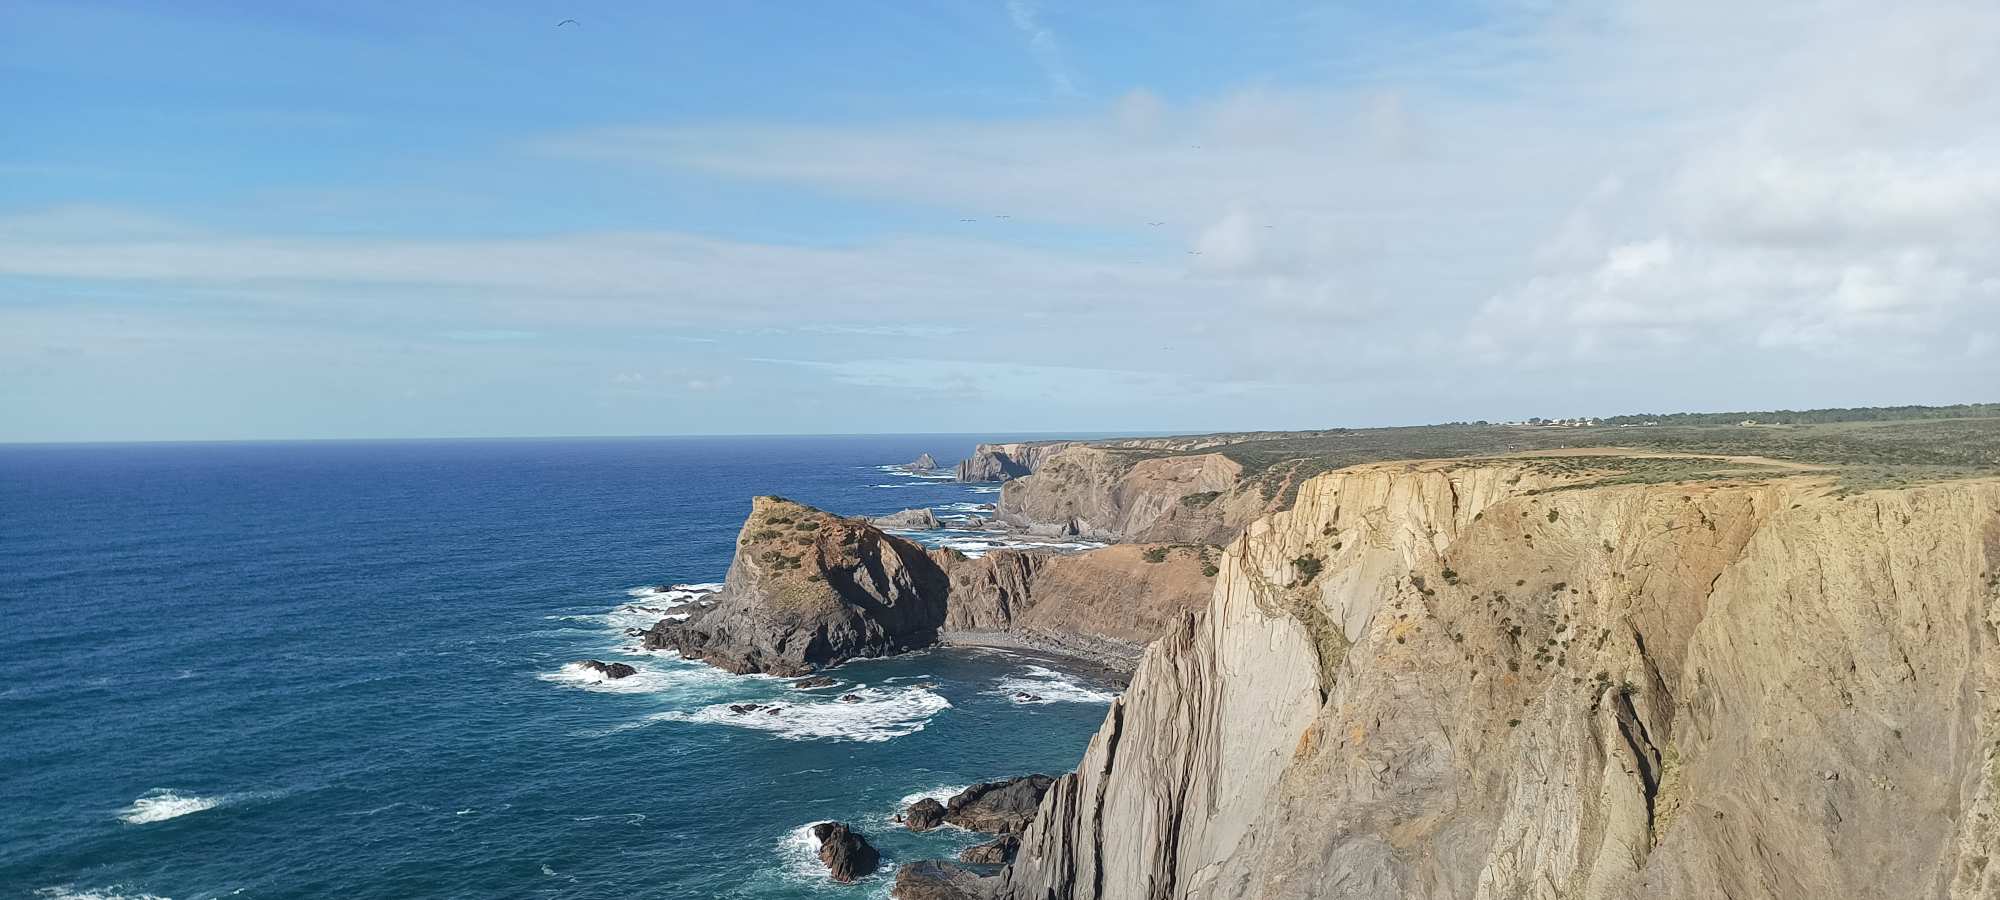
(847, 854)
(740, 708)
(935, 880)
(998, 807)
(817, 681)
(850, 698)
(609, 670)
(996, 852)
(924, 815)
(1026, 697)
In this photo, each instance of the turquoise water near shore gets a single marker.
(337, 670)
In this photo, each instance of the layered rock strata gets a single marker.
(1487, 680)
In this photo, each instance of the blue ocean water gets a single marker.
(336, 670)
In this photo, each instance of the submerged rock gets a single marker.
(817, 681)
(847, 854)
(609, 670)
(924, 815)
(935, 880)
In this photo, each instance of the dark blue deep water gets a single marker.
(336, 670)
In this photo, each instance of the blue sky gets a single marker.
(362, 219)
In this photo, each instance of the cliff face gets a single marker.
(1448, 681)
(1106, 494)
(1000, 462)
(808, 589)
(1105, 604)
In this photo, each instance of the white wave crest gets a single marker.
(874, 715)
(160, 804)
(1041, 685)
(646, 680)
(114, 892)
(986, 490)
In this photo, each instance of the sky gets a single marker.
(371, 219)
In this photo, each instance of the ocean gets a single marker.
(337, 669)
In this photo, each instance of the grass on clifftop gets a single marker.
(1864, 448)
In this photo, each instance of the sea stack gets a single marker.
(808, 589)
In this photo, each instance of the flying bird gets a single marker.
(569, 22)
(1156, 224)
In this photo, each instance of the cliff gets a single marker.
(1116, 494)
(808, 589)
(1104, 605)
(1000, 462)
(1529, 679)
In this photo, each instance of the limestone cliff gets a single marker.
(808, 589)
(1503, 679)
(1115, 494)
(1000, 462)
(1104, 605)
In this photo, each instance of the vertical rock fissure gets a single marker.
(1097, 809)
(1644, 754)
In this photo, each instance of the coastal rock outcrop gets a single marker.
(1104, 605)
(935, 880)
(923, 463)
(1110, 493)
(924, 815)
(921, 519)
(1510, 679)
(613, 671)
(1000, 462)
(997, 851)
(809, 589)
(998, 807)
(847, 854)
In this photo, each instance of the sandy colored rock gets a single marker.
(1483, 680)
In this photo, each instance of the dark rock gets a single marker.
(935, 880)
(998, 807)
(807, 590)
(744, 707)
(847, 854)
(1026, 697)
(609, 670)
(996, 852)
(817, 681)
(850, 698)
(924, 815)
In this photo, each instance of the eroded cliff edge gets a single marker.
(808, 589)
(1499, 679)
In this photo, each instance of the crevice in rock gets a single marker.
(1644, 753)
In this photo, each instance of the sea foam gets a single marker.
(648, 679)
(160, 804)
(1047, 686)
(878, 715)
(114, 892)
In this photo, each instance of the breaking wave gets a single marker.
(160, 804)
(1041, 685)
(873, 715)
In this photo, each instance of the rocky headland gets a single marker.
(1556, 678)
(807, 590)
